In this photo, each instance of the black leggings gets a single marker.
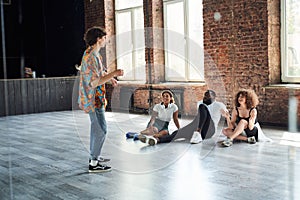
(253, 132)
(202, 121)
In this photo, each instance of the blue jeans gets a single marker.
(98, 132)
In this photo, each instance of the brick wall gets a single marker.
(245, 46)
(242, 50)
(94, 13)
(238, 43)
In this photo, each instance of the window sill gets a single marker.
(162, 84)
(287, 86)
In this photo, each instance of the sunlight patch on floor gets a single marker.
(291, 139)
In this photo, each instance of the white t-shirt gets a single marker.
(215, 111)
(165, 114)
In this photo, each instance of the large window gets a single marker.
(290, 40)
(184, 56)
(130, 42)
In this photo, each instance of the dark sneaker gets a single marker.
(136, 137)
(227, 142)
(251, 140)
(99, 168)
(130, 134)
(101, 159)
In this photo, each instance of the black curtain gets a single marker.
(46, 34)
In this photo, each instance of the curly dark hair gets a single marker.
(92, 34)
(251, 98)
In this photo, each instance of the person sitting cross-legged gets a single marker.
(242, 124)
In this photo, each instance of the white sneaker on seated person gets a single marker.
(196, 138)
(148, 139)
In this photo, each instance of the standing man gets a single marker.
(92, 94)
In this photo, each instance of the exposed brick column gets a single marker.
(111, 60)
(274, 40)
(147, 8)
(158, 37)
(154, 40)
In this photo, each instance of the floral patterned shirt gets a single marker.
(91, 69)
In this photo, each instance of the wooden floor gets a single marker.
(45, 156)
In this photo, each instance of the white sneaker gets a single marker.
(196, 138)
(152, 141)
(251, 140)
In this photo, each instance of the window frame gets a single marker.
(285, 77)
(134, 62)
(187, 44)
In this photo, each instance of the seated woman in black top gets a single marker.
(244, 118)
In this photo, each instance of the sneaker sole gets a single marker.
(253, 141)
(151, 142)
(226, 145)
(100, 171)
(103, 161)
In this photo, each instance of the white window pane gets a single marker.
(195, 21)
(290, 40)
(125, 63)
(175, 23)
(176, 68)
(131, 43)
(139, 18)
(124, 44)
(123, 4)
(139, 43)
(196, 62)
(293, 37)
(140, 71)
(195, 42)
(174, 41)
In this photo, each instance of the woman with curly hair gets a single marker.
(241, 125)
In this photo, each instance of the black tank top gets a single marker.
(238, 119)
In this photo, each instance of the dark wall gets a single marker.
(48, 34)
(25, 96)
